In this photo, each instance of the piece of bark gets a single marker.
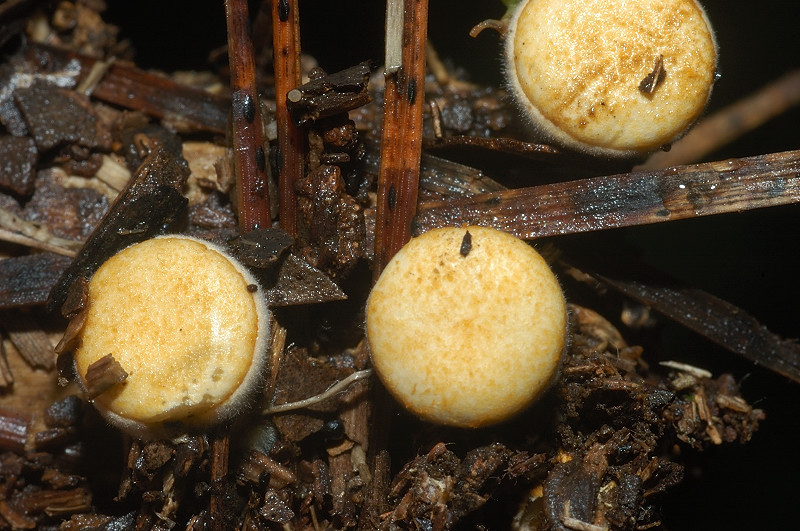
(220, 514)
(150, 205)
(54, 439)
(68, 213)
(343, 509)
(64, 413)
(261, 248)
(14, 426)
(56, 116)
(18, 156)
(375, 503)
(275, 510)
(299, 378)
(299, 283)
(31, 342)
(329, 94)
(27, 280)
(330, 223)
(185, 108)
(52, 502)
(102, 375)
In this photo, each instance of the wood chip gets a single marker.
(102, 375)
(32, 343)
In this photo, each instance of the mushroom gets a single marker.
(189, 327)
(466, 326)
(610, 78)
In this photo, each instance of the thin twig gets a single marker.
(291, 140)
(338, 387)
(19, 239)
(249, 157)
(14, 229)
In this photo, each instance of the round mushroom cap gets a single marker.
(611, 77)
(186, 322)
(466, 326)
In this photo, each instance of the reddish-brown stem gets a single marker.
(249, 156)
(398, 182)
(401, 139)
(291, 141)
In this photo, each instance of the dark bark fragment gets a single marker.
(64, 413)
(150, 205)
(18, 156)
(102, 375)
(330, 222)
(53, 439)
(70, 213)
(56, 116)
(299, 283)
(261, 248)
(27, 280)
(275, 510)
(329, 94)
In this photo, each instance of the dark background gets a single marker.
(749, 259)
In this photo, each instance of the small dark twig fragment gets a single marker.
(466, 244)
(220, 453)
(102, 375)
(329, 94)
(652, 80)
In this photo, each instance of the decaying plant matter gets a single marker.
(313, 185)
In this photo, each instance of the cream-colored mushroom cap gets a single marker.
(611, 77)
(186, 322)
(466, 326)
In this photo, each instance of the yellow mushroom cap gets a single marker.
(587, 72)
(189, 326)
(466, 326)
